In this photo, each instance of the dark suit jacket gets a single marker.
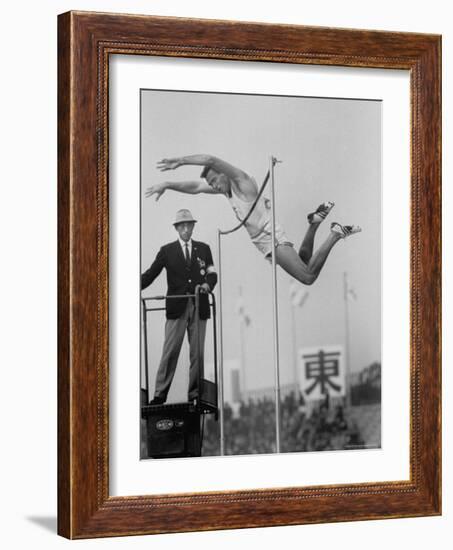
(182, 279)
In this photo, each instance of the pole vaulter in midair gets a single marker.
(257, 215)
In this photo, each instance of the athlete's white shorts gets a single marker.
(263, 240)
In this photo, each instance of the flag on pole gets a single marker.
(352, 294)
(297, 294)
(349, 292)
(241, 311)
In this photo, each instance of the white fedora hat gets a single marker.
(183, 216)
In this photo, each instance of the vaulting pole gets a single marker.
(273, 160)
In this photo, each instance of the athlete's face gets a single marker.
(185, 230)
(217, 181)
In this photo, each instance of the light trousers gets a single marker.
(174, 337)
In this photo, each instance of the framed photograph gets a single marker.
(249, 275)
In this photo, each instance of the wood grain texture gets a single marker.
(64, 426)
(85, 42)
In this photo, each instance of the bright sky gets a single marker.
(330, 150)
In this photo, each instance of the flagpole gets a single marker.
(243, 389)
(293, 323)
(242, 325)
(347, 353)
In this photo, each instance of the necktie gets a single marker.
(187, 255)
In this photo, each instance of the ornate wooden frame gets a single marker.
(85, 41)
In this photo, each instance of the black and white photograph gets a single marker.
(244, 351)
(241, 252)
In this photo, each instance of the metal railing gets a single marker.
(196, 297)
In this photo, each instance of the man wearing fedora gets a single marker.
(188, 264)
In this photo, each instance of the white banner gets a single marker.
(321, 372)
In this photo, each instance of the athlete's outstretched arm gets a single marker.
(243, 183)
(189, 187)
(217, 164)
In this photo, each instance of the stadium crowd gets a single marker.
(252, 429)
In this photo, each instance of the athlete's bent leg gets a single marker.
(306, 248)
(319, 258)
(314, 221)
(288, 259)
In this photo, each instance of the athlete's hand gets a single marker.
(157, 189)
(169, 164)
(205, 288)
